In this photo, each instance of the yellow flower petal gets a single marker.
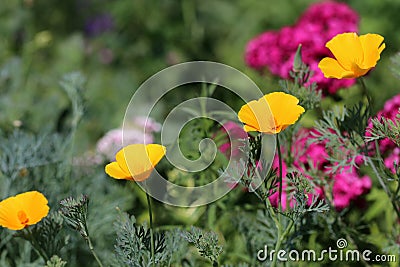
(332, 69)
(136, 161)
(114, 170)
(271, 113)
(372, 48)
(284, 108)
(347, 49)
(120, 159)
(35, 205)
(355, 55)
(22, 210)
(253, 115)
(155, 153)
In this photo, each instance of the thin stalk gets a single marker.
(278, 147)
(271, 211)
(91, 248)
(281, 238)
(151, 230)
(365, 91)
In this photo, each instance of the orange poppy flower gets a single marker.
(354, 55)
(23, 209)
(135, 162)
(271, 114)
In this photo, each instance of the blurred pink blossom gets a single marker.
(139, 132)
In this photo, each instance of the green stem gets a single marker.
(278, 147)
(281, 238)
(91, 248)
(365, 91)
(271, 211)
(151, 229)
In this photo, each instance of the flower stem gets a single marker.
(281, 238)
(151, 229)
(365, 91)
(91, 248)
(278, 147)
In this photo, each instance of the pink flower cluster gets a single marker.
(275, 50)
(389, 149)
(348, 186)
(139, 132)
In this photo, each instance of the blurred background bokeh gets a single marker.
(119, 44)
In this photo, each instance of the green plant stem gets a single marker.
(365, 91)
(278, 147)
(91, 248)
(281, 238)
(151, 229)
(271, 211)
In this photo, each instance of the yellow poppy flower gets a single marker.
(355, 55)
(23, 209)
(135, 162)
(271, 114)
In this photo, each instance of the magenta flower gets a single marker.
(387, 148)
(392, 158)
(275, 50)
(348, 186)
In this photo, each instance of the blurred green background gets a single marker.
(119, 44)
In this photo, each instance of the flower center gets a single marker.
(22, 217)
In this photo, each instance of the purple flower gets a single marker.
(99, 24)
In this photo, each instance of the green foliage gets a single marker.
(133, 242)
(74, 212)
(205, 242)
(45, 133)
(308, 94)
(354, 123)
(55, 261)
(132, 246)
(257, 230)
(385, 128)
(22, 150)
(302, 187)
(342, 148)
(46, 237)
